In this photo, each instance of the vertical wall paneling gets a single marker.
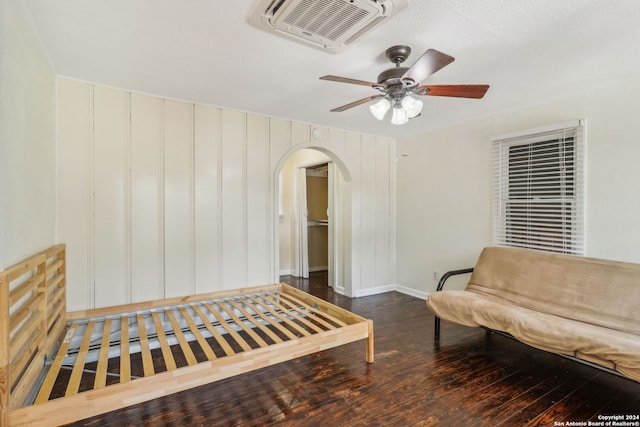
(111, 200)
(147, 190)
(160, 198)
(343, 245)
(319, 135)
(279, 143)
(178, 199)
(279, 140)
(208, 218)
(368, 212)
(234, 214)
(335, 142)
(382, 215)
(300, 132)
(74, 203)
(259, 260)
(392, 209)
(353, 154)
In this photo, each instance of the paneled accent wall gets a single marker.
(160, 198)
(27, 138)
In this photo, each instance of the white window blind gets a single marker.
(539, 189)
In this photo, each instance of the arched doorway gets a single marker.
(292, 225)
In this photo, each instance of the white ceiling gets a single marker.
(529, 51)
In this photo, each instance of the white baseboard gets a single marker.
(370, 291)
(412, 292)
(374, 291)
(388, 288)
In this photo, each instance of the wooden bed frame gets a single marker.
(232, 332)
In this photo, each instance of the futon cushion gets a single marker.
(614, 349)
(594, 291)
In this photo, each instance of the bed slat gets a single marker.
(147, 361)
(216, 335)
(292, 313)
(327, 308)
(196, 333)
(243, 325)
(125, 361)
(54, 369)
(286, 321)
(259, 324)
(270, 320)
(327, 316)
(184, 345)
(78, 366)
(311, 312)
(167, 355)
(245, 346)
(103, 359)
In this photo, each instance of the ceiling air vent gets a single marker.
(327, 24)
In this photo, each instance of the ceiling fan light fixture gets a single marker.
(400, 116)
(412, 106)
(397, 83)
(380, 108)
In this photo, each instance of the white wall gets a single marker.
(160, 198)
(27, 138)
(444, 184)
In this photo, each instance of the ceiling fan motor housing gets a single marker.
(392, 76)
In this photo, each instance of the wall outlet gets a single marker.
(435, 275)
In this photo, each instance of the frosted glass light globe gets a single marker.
(380, 108)
(412, 106)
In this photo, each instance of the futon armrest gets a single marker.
(443, 279)
(448, 274)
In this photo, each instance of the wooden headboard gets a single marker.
(32, 320)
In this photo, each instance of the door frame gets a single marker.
(341, 256)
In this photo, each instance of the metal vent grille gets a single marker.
(329, 19)
(327, 24)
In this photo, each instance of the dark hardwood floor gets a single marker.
(466, 378)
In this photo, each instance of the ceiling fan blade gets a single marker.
(356, 103)
(346, 80)
(459, 91)
(430, 62)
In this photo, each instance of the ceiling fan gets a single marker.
(398, 83)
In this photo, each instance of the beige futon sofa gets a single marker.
(583, 307)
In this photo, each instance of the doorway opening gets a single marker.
(314, 217)
(317, 196)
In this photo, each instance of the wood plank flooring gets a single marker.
(467, 378)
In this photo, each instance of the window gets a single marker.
(538, 189)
